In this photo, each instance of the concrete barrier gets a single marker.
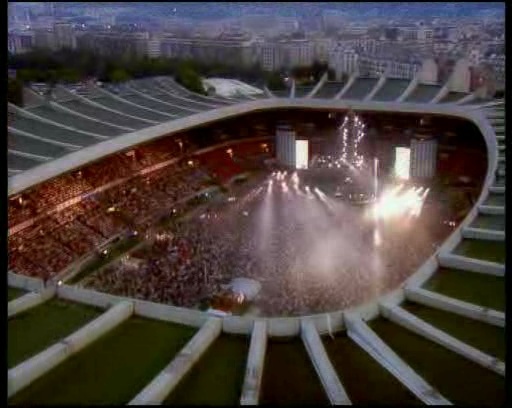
(239, 324)
(158, 389)
(471, 264)
(448, 304)
(323, 366)
(380, 83)
(349, 83)
(327, 323)
(367, 311)
(424, 273)
(28, 301)
(361, 334)
(405, 319)
(283, 326)
(167, 313)
(24, 282)
(28, 371)
(255, 364)
(88, 296)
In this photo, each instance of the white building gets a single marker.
(235, 50)
(269, 56)
(296, 53)
(497, 62)
(154, 48)
(20, 42)
(287, 53)
(321, 49)
(343, 61)
(64, 35)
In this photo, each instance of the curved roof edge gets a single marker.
(48, 170)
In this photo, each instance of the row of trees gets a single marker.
(71, 66)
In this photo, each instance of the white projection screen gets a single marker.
(402, 162)
(301, 154)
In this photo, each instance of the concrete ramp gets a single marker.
(366, 338)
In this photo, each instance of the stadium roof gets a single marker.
(76, 125)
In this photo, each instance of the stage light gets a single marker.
(395, 202)
(377, 240)
(402, 162)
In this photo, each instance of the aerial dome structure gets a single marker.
(79, 162)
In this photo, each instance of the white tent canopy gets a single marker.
(231, 87)
(248, 287)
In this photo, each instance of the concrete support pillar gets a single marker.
(292, 89)
(28, 301)
(441, 94)
(62, 108)
(466, 99)
(491, 209)
(351, 80)
(268, 92)
(28, 371)
(158, 389)
(497, 190)
(316, 351)
(471, 264)
(114, 96)
(255, 364)
(384, 355)
(481, 233)
(409, 90)
(405, 319)
(91, 102)
(380, 83)
(448, 304)
(317, 87)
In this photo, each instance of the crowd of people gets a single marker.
(310, 255)
(307, 259)
(69, 217)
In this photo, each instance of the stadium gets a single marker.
(160, 240)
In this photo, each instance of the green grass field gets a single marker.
(359, 373)
(40, 327)
(485, 337)
(113, 369)
(496, 200)
(493, 251)
(483, 290)
(289, 376)
(13, 293)
(489, 221)
(456, 378)
(217, 378)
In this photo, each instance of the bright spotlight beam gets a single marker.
(395, 202)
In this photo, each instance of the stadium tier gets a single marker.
(130, 205)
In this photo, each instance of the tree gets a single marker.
(118, 75)
(189, 78)
(275, 82)
(69, 75)
(15, 91)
